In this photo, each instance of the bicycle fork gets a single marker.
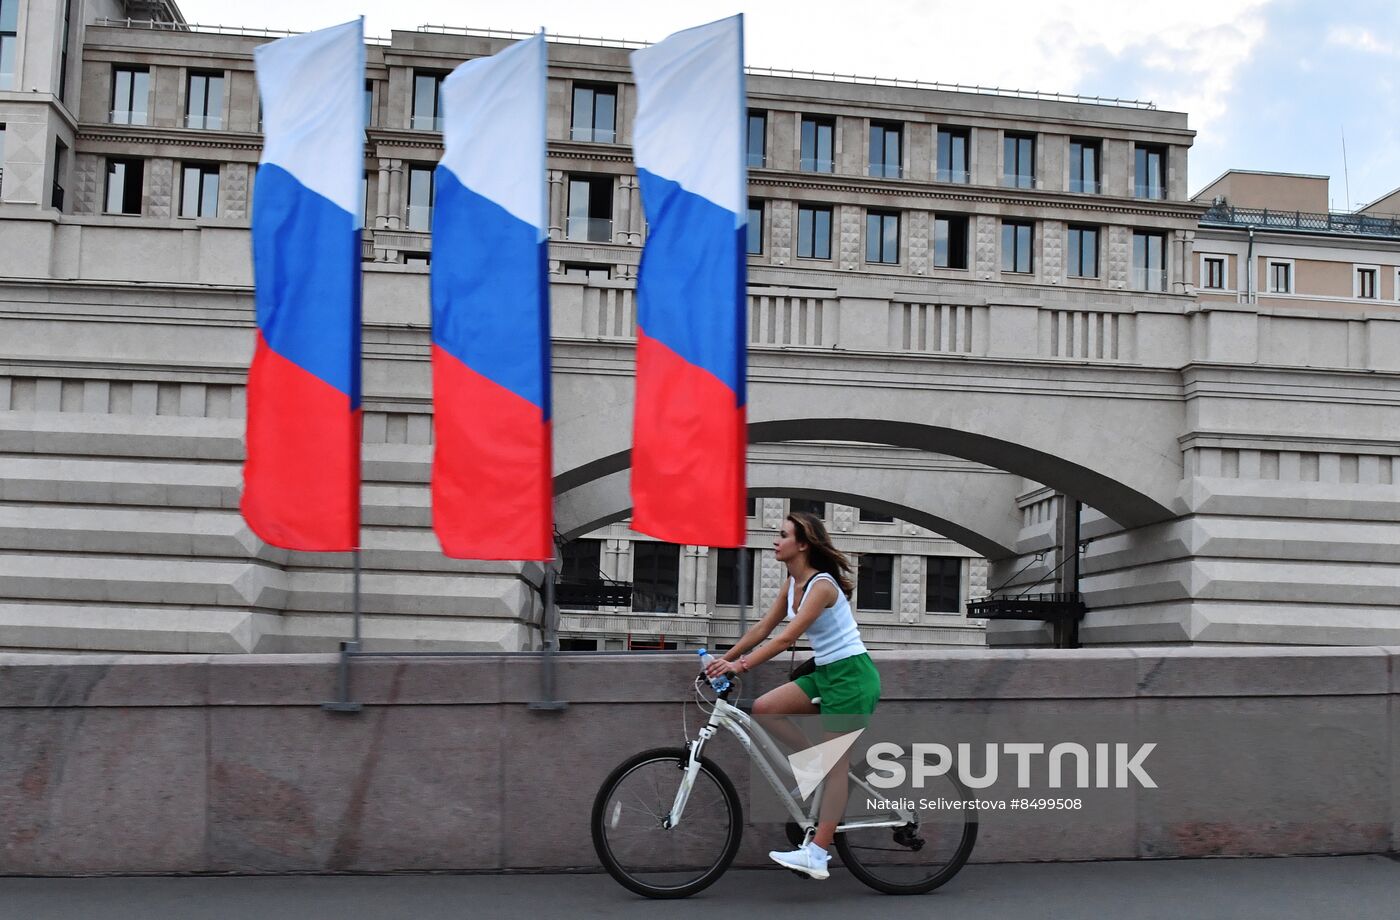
(691, 768)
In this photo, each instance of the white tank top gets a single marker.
(833, 633)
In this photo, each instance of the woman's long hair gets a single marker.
(809, 529)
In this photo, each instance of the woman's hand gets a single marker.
(721, 666)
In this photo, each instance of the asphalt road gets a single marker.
(1350, 887)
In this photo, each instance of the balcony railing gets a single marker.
(1018, 180)
(426, 123)
(205, 122)
(1149, 279)
(757, 161)
(593, 135)
(120, 117)
(816, 164)
(1157, 192)
(1084, 186)
(1315, 222)
(959, 176)
(589, 229)
(420, 217)
(886, 170)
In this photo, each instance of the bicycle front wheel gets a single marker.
(637, 848)
(916, 857)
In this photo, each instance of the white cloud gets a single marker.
(1358, 39)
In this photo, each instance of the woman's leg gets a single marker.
(788, 699)
(835, 791)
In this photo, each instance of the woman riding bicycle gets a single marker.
(817, 602)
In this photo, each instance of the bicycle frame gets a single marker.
(764, 751)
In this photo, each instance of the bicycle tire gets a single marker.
(870, 875)
(676, 758)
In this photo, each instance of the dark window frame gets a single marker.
(880, 134)
(1210, 274)
(754, 240)
(1143, 157)
(1362, 273)
(129, 113)
(419, 216)
(204, 170)
(207, 119)
(814, 506)
(946, 572)
(430, 118)
(593, 132)
(133, 180)
(870, 571)
(1014, 253)
(593, 221)
(952, 256)
(653, 590)
(811, 160)
(727, 578)
(1142, 277)
(1079, 183)
(867, 516)
(948, 171)
(883, 250)
(1074, 246)
(757, 159)
(813, 250)
(1024, 145)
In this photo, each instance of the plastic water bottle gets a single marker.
(720, 683)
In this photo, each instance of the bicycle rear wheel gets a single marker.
(914, 858)
(649, 858)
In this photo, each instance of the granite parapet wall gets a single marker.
(214, 763)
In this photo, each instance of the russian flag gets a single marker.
(689, 431)
(492, 466)
(301, 478)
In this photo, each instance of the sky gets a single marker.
(1267, 84)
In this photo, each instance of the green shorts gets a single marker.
(849, 690)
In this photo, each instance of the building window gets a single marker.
(124, 180)
(875, 517)
(727, 579)
(427, 101)
(882, 237)
(421, 258)
(875, 582)
(587, 271)
(580, 561)
(363, 215)
(1084, 166)
(1280, 277)
(131, 89)
(751, 506)
(420, 197)
(590, 209)
(1018, 160)
(204, 101)
(60, 173)
(885, 146)
(1150, 170)
(758, 139)
(63, 50)
(1149, 261)
(655, 577)
(807, 506)
(595, 114)
(1016, 240)
(1366, 282)
(369, 103)
(952, 155)
(943, 587)
(1083, 252)
(818, 135)
(813, 232)
(755, 227)
(1213, 273)
(199, 190)
(950, 241)
(9, 41)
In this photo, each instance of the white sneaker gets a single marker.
(809, 860)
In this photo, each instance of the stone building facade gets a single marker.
(963, 305)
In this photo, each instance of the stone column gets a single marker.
(556, 204)
(381, 209)
(622, 210)
(396, 195)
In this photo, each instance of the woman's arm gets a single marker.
(760, 630)
(819, 596)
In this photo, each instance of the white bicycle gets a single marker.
(667, 822)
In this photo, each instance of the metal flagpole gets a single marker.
(743, 597)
